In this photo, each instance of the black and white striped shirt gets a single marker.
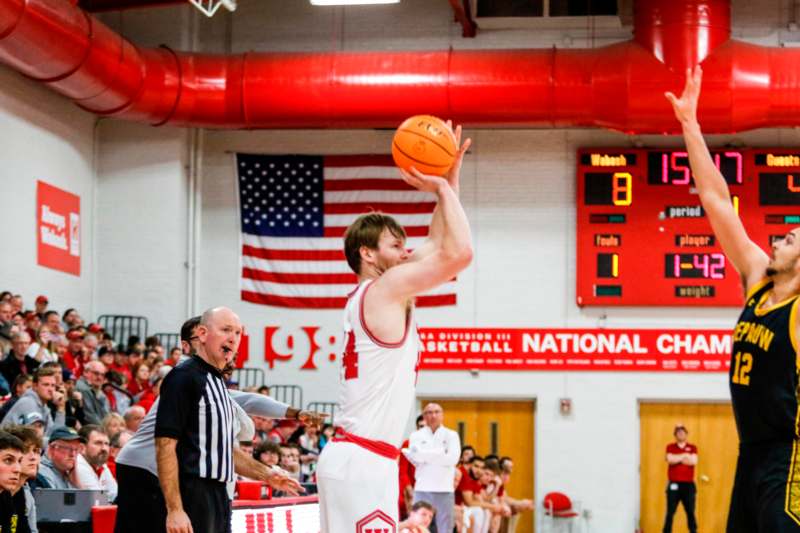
(196, 410)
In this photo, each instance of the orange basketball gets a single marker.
(426, 143)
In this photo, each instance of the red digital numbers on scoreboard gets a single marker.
(643, 237)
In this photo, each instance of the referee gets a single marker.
(194, 430)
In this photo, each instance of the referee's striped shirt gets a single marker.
(196, 410)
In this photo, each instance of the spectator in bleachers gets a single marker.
(91, 468)
(116, 442)
(73, 408)
(71, 319)
(135, 344)
(21, 384)
(73, 357)
(36, 399)
(35, 422)
(308, 440)
(263, 427)
(32, 323)
(44, 348)
(133, 417)
(7, 327)
(121, 364)
(282, 431)
(53, 321)
(11, 451)
(263, 389)
(174, 357)
(90, 345)
(16, 303)
(140, 381)
(41, 305)
(19, 321)
(268, 452)
(58, 465)
(29, 468)
(17, 361)
(106, 356)
(90, 385)
(149, 396)
(290, 461)
(419, 519)
(247, 447)
(406, 472)
(113, 423)
(326, 435)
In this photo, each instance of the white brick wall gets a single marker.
(42, 137)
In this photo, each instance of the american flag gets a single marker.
(294, 211)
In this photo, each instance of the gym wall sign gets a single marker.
(644, 350)
(58, 233)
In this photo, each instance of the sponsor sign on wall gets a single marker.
(58, 229)
(645, 350)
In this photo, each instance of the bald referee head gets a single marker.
(218, 336)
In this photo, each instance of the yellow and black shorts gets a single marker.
(766, 490)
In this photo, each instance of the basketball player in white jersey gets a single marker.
(357, 472)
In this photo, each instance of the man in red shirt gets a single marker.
(681, 458)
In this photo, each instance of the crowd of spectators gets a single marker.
(482, 504)
(71, 398)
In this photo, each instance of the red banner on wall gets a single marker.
(639, 350)
(58, 222)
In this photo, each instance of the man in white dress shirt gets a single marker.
(434, 450)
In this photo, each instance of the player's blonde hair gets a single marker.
(366, 231)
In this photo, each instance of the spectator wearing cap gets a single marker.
(681, 458)
(32, 323)
(90, 385)
(35, 400)
(41, 305)
(23, 495)
(58, 465)
(74, 354)
(434, 450)
(35, 422)
(91, 466)
(18, 362)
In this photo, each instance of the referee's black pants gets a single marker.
(685, 493)
(141, 507)
(207, 504)
(140, 503)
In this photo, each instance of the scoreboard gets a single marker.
(643, 237)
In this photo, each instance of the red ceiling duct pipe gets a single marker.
(618, 86)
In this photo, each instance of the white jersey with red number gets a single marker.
(377, 379)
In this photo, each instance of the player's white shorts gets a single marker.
(358, 490)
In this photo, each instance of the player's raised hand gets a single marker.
(453, 175)
(685, 107)
(423, 182)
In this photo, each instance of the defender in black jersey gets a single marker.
(765, 362)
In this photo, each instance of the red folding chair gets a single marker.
(559, 510)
